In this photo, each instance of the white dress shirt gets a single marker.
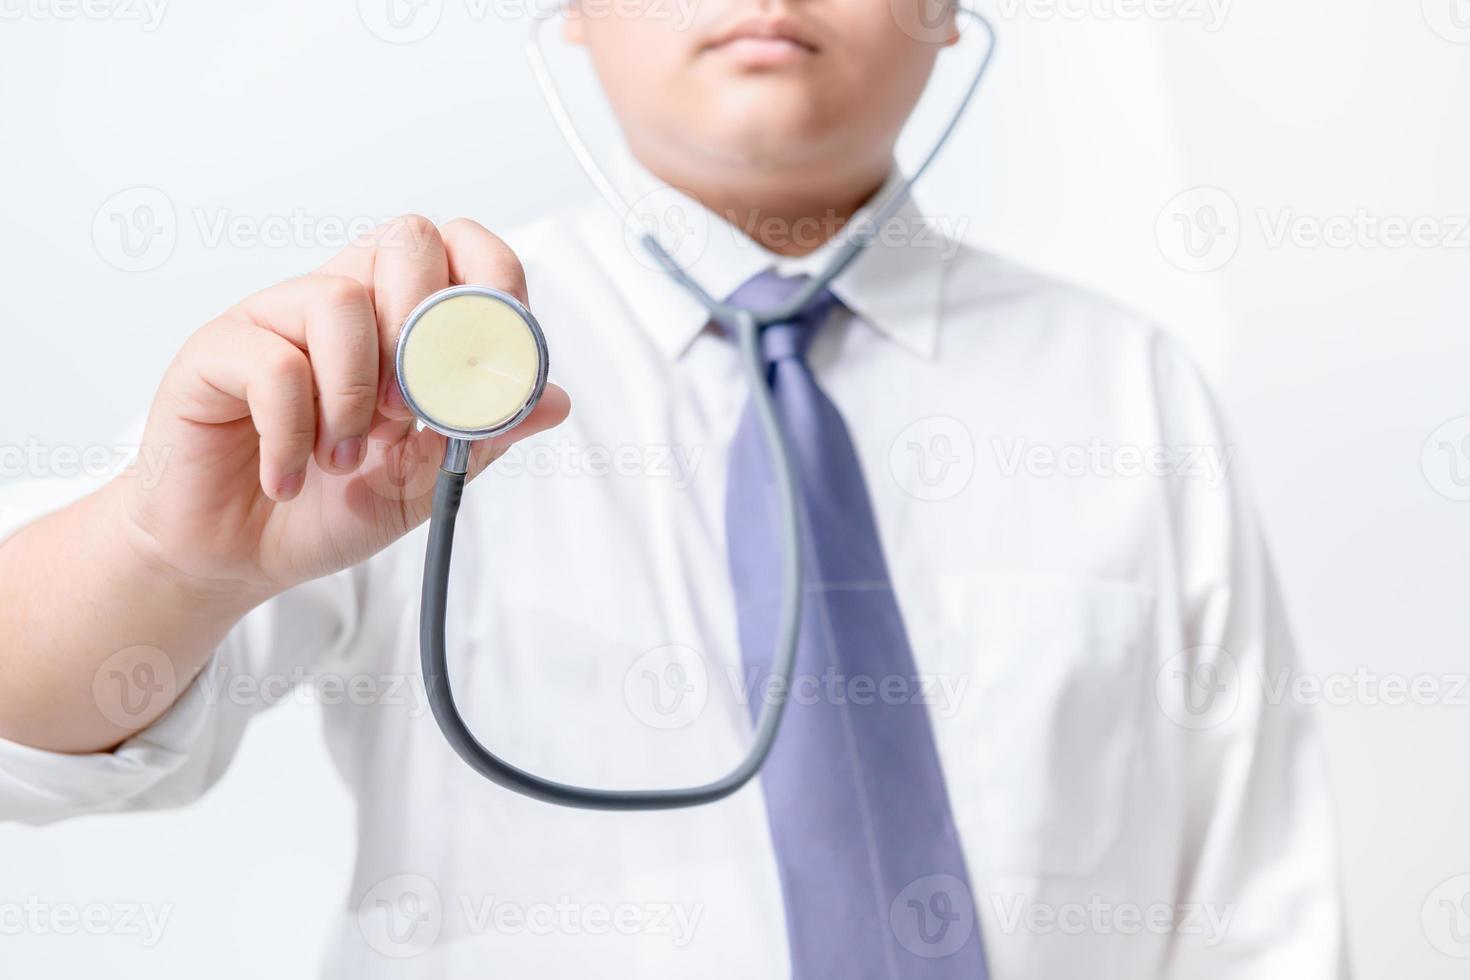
(1090, 606)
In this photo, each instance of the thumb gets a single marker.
(552, 410)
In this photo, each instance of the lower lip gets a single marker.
(764, 52)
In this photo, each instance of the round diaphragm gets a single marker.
(471, 362)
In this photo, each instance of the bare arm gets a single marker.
(88, 622)
(285, 456)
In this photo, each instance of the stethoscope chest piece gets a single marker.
(471, 362)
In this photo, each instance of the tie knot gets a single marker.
(786, 339)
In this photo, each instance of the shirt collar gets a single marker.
(893, 288)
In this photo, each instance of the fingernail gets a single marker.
(348, 453)
(290, 486)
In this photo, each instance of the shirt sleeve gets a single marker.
(186, 750)
(1262, 856)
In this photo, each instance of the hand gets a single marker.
(286, 450)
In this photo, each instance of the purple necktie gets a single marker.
(872, 872)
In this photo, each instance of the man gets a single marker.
(1025, 738)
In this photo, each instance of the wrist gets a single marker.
(142, 553)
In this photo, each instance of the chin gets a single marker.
(763, 131)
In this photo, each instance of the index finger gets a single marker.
(479, 257)
(402, 263)
(405, 257)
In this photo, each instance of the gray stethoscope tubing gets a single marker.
(447, 494)
(746, 325)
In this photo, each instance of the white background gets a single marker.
(1337, 363)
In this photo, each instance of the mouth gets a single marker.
(763, 42)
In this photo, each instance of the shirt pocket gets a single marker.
(1038, 744)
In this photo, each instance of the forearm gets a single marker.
(97, 639)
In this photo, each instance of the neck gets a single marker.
(788, 214)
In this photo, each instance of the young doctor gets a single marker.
(1028, 738)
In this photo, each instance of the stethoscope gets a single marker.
(472, 363)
